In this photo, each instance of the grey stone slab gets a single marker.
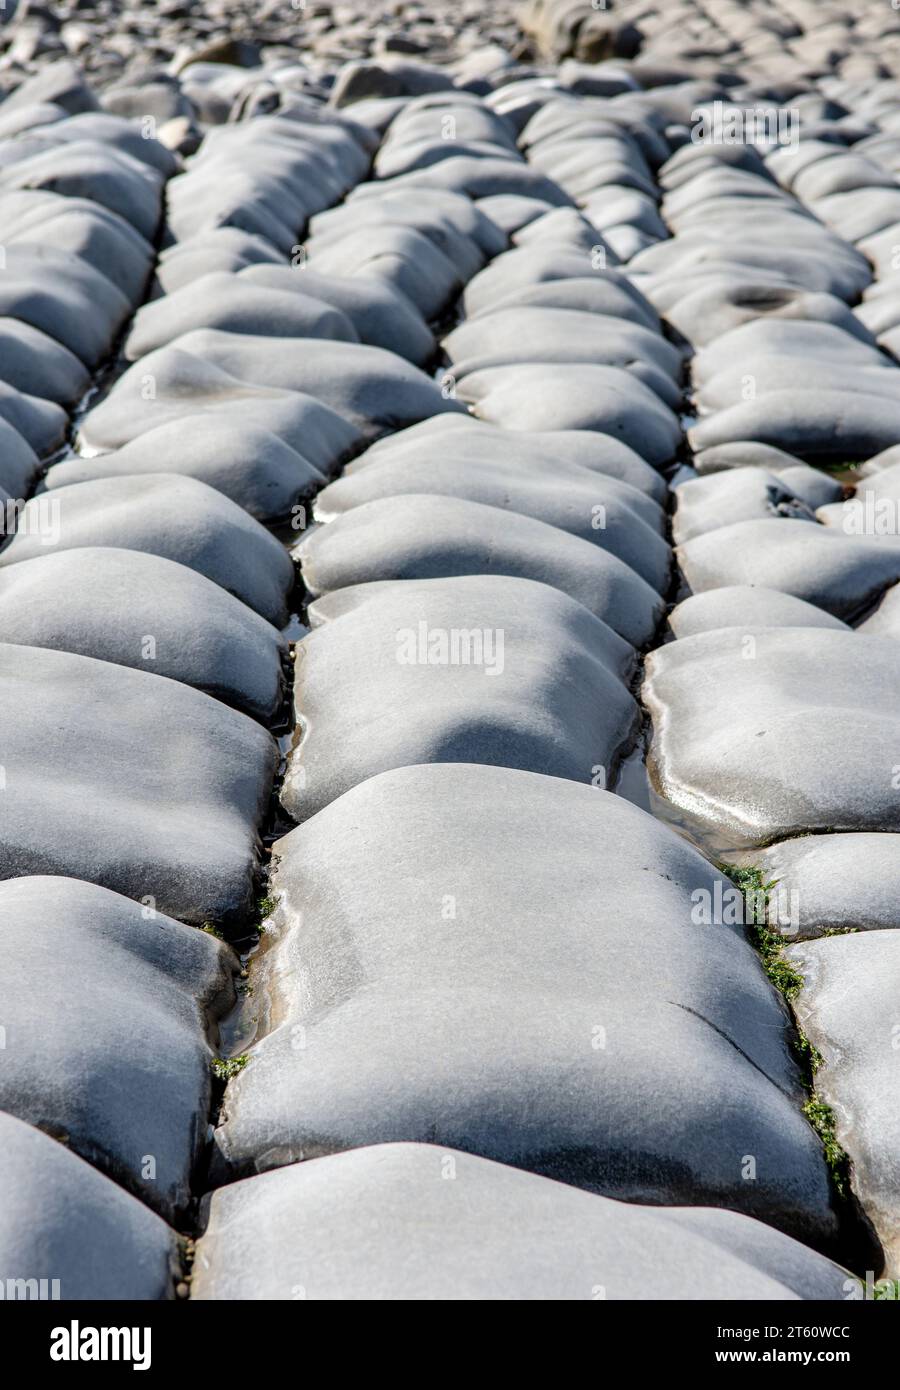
(223, 301)
(829, 883)
(163, 514)
(114, 132)
(466, 439)
(746, 606)
(171, 385)
(120, 1068)
(600, 292)
(141, 610)
(605, 511)
(843, 574)
(813, 486)
(76, 225)
(41, 423)
(477, 177)
(414, 1221)
(455, 224)
(401, 257)
(624, 1050)
(372, 389)
(223, 248)
(783, 372)
(59, 83)
(247, 463)
(87, 169)
(526, 267)
(486, 668)
(64, 297)
(61, 1219)
(535, 334)
(424, 537)
(381, 315)
(131, 781)
(38, 365)
(766, 337)
(776, 732)
(848, 1010)
(578, 397)
(397, 225)
(737, 494)
(19, 464)
(831, 425)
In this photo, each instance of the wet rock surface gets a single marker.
(420, 425)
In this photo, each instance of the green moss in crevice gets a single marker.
(821, 1117)
(788, 980)
(224, 1069)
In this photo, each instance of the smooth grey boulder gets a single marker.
(811, 485)
(98, 172)
(372, 389)
(141, 610)
(81, 228)
(519, 334)
(833, 883)
(392, 75)
(59, 83)
(767, 337)
(62, 1220)
(225, 302)
(41, 423)
(746, 606)
(425, 537)
(775, 733)
(223, 248)
(738, 494)
(120, 1068)
(706, 313)
(476, 668)
(602, 292)
(171, 385)
(578, 397)
(848, 1010)
(249, 464)
(163, 514)
(64, 298)
(477, 176)
(465, 439)
(381, 315)
(414, 1221)
(594, 1032)
(112, 131)
(599, 509)
(38, 365)
(526, 267)
(788, 372)
(457, 226)
(401, 257)
(131, 781)
(19, 464)
(819, 424)
(843, 574)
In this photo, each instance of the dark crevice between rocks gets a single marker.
(857, 1246)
